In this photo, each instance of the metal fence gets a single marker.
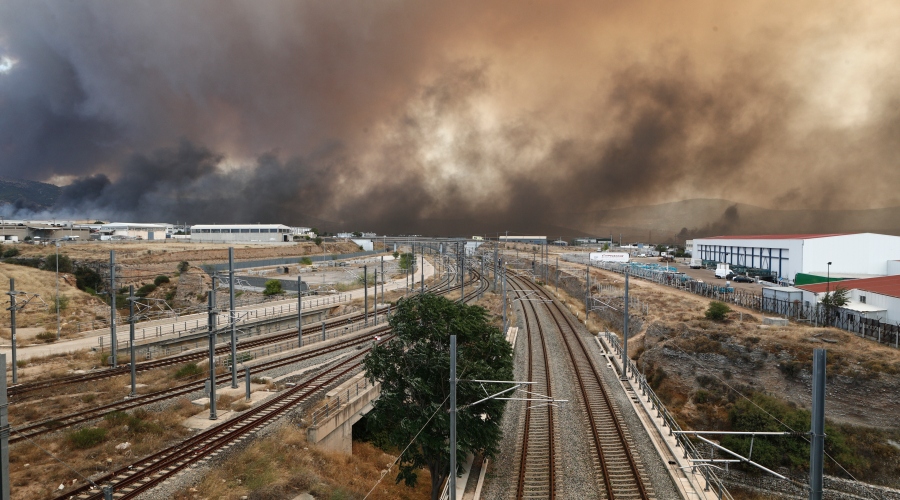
(814, 314)
(682, 440)
(332, 406)
(201, 324)
(214, 268)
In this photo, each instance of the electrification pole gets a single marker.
(12, 330)
(112, 306)
(453, 417)
(366, 294)
(131, 340)
(233, 320)
(299, 312)
(211, 299)
(817, 443)
(625, 332)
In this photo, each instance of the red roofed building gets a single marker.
(871, 298)
(858, 255)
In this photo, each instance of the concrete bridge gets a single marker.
(332, 424)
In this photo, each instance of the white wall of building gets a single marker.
(250, 233)
(851, 254)
(863, 254)
(366, 245)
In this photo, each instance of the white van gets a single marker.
(723, 271)
(696, 263)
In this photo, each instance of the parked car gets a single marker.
(743, 279)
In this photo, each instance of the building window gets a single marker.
(862, 299)
(254, 230)
(245, 230)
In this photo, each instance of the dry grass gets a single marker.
(34, 474)
(284, 465)
(37, 314)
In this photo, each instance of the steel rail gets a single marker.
(531, 486)
(587, 374)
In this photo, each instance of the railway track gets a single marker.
(619, 471)
(17, 392)
(144, 474)
(537, 457)
(27, 432)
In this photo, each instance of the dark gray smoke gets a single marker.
(446, 117)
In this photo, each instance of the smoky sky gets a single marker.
(404, 116)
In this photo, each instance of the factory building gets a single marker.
(805, 258)
(241, 233)
(132, 231)
(531, 240)
(871, 298)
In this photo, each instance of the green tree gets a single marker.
(314, 231)
(605, 247)
(273, 287)
(835, 300)
(86, 277)
(357, 234)
(407, 261)
(183, 266)
(717, 311)
(414, 371)
(318, 240)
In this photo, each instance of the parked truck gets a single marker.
(696, 263)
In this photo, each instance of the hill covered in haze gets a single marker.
(31, 195)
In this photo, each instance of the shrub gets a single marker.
(183, 266)
(273, 287)
(318, 241)
(87, 278)
(170, 295)
(145, 290)
(161, 279)
(87, 438)
(10, 252)
(28, 238)
(47, 337)
(65, 264)
(188, 370)
(306, 261)
(717, 311)
(63, 303)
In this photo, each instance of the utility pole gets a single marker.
(382, 282)
(503, 270)
(12, 332)
(366, 294)
(299, 312)
(462, 271)
(375, 296)
(625, 332)
(211, 299)
(495, 266)
(233, 319)
(57, 291)
(817, 443)
(4, 433)
(423, 269)
(453, 417)
(112, 306)
(587, 294)
(131, 340)
(556, 277)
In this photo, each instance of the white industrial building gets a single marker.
(850, 255)
(871, 298)
(132, 230)
(241, 233)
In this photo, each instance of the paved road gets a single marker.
(171, 327)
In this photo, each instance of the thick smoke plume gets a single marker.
(437, 117)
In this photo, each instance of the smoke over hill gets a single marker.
(409, 116)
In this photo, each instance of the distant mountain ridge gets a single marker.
(32, 195)
(713, 217)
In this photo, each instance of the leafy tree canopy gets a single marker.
(414, 371)
(273, 287)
